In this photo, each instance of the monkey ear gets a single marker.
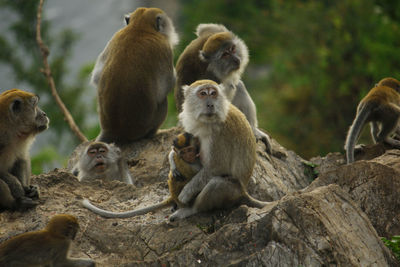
(126, 17)
(16, 106)
(160, 24)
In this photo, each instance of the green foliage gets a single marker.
(393, 244)
(316, 59)
(46, 157)
(19, 50)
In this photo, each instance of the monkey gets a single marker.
(227, 151)
(98, 160)
(47, 247)
(184, 164)
(218, 54)
(20, 121)
(133, 75)
(381, 108)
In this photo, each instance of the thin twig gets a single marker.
(47, 72)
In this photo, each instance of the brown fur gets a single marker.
(138, 72)
(20, 121)
(44, 247)
(228, 152)
(380, 107)
(190, 68)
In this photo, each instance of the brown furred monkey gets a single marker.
(47, 247)
(227, 151)
(218, 54)
(20, 121)
(98, 160)
(184, 164)
(134, 74)
(380, 107)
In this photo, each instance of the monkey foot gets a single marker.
(25, 203)
(32, 192)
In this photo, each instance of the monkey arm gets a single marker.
(194, 186)
(22, 170)
(245, 104)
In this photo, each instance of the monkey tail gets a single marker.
(354, 131)
(109, 214)
(252, 202)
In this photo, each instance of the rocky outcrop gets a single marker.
(331, 222)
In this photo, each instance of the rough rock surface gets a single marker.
(327, 223)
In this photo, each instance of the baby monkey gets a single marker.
(184, 163)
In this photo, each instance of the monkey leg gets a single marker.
(22, 170)
(219, 192)
(388, 127)
(374, 131)
(6, 199)
(15, 186)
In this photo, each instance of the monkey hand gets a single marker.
(177, 175)
(265, 139)
(24, 203)
(31, 191)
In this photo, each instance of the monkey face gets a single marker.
(208, 95)
(98, 157)
(24, 112)
(189, 154)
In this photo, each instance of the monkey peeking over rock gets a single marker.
(97, 160)
(20, 121)
(47, 247)
(184, 164)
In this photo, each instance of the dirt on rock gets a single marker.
(334, 220)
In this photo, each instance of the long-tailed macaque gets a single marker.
(218, 54)
(98, 160)
(134, 74)
(227, 151)
(381, 108)
(47, 247)
(20, 121)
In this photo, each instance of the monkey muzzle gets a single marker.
(42, 121)
(100, 165)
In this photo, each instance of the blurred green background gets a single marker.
(310, 64)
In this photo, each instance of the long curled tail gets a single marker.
(109, 214)
(354, 131)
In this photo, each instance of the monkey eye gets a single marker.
(225, 54)
(233, 49)
(92, 152)
(214, 93)
(102, 150)
(202, 93)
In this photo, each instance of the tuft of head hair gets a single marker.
(390, 82)
(63, 225)
(216, 41)
(143, 17)
(182, 140)
(209, 28)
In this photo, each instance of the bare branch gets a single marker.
(47, 72)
